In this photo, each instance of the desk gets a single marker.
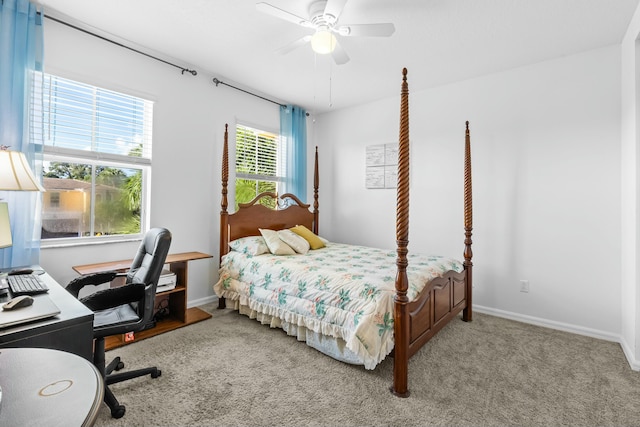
(42, 387)
(71, 330)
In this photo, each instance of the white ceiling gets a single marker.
(439, 41)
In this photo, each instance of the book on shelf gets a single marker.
(167, 281)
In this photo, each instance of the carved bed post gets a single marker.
(401, 320)
(468, 226)
(224, 215)
(316, 184)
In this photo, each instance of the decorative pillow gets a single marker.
(309, 236)
(275, 245)
(252, 245)
(297, 243)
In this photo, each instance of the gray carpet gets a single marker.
(230, 370)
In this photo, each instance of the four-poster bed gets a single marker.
(347, 301)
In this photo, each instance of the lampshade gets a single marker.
(15, 173)
(323, 42)
(5, 227)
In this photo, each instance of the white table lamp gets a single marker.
(5, 226)
(15, 175)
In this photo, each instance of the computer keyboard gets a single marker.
(26, 284)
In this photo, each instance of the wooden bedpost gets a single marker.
(401, 320)
(468, 226)
(316, 184)
(224, 215)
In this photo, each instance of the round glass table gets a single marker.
(43, 387)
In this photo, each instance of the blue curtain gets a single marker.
(21, 55)
(293, 130)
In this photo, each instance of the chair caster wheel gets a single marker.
(119, 366)
(156, 373)
(118, 411)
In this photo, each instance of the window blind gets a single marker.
(257, 154)
(95, 122)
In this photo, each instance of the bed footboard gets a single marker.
(441, 300)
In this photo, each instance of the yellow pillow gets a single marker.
(314, 241)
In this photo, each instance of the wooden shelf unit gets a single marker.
(178, 316)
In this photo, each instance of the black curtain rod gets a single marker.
(193, 72)
(220, 82)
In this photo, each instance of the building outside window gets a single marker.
(97, 161)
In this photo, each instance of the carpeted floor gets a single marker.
(230, 370)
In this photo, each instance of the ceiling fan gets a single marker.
(323, 19)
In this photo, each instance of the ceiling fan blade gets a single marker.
(283, 14)
(339, 55)
(366, 30)
(293, 45)
(334, 8)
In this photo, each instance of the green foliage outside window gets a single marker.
(247, 190)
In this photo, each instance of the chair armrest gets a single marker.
(113, 297)
(78, 283)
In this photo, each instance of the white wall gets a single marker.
(630, 75)
(546, 160)
(189, 117)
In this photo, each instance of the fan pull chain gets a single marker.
(315, 79)
(330, 85)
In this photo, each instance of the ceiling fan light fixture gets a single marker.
(323, 42)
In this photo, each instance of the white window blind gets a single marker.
(98, 122)
(258, 155)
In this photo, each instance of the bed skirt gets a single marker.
(331, 346)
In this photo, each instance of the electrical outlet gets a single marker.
(524, 286)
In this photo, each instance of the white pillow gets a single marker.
(297, 243)
(252, 245)
(275, 245)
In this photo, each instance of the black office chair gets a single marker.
(127, 308)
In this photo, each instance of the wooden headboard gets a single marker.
(290, 211)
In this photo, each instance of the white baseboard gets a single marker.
(593, 333)
(201, 301)
(628, 352)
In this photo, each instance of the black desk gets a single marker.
(71, 330)
(42, 387)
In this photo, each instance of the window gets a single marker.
(259, 164)
(54, 199)
(97, 161)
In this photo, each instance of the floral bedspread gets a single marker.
(341, 290)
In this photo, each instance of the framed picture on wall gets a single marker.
(381, 166)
